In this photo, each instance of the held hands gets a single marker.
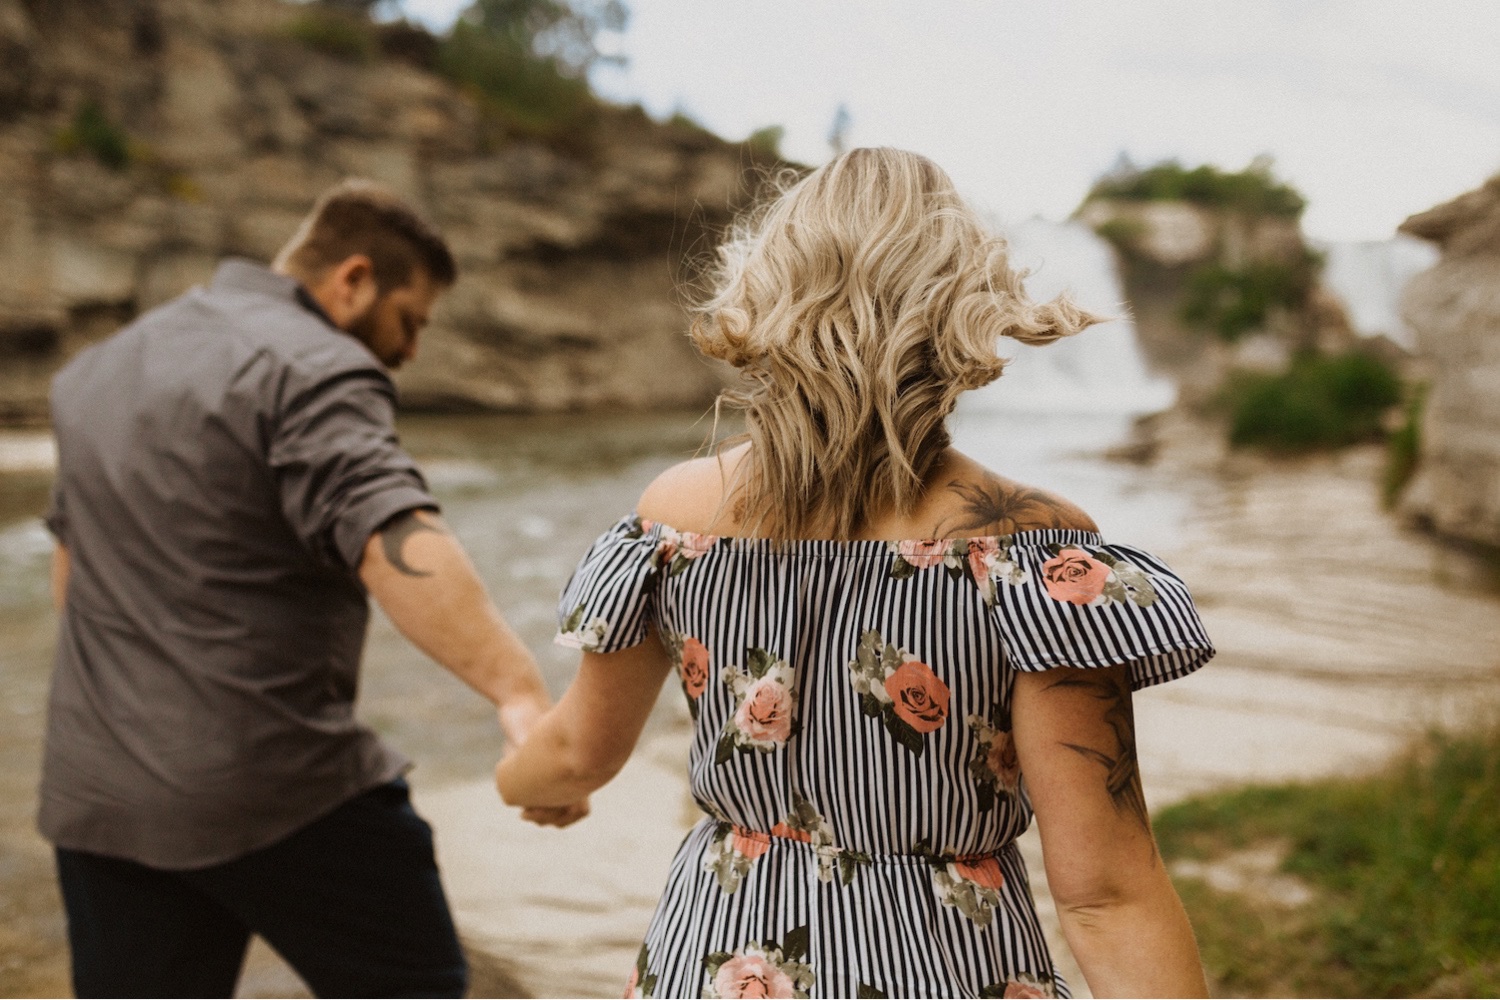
(517, 717)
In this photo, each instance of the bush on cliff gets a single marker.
(1253, 190)
(1403, 868)
(1234, 301)
(1319, 402)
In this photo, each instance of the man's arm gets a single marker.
(422, 579)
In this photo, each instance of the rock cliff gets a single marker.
(143, 140)
(1213, 288)
(1454, 307)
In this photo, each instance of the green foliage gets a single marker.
(1121, 232)
(340, 33)
(1231, 301)
(766, 142)
(1254, 190)
(1405, 868)
(561, 32)
(1404, 449)
(1320, 402)
(524, 94)
(92, 132)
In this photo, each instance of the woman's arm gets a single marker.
(585, 739)
(1075, 738)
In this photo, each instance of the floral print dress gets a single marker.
(852, 745)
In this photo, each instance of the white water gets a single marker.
(1369, 277)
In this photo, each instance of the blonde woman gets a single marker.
(893, 656)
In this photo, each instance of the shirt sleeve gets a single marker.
(56, 517)
(608, 604)
(1087, 605)
(339, 467)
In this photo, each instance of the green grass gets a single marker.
(1404, 449)
(1253, 190)
(1319, 402)
(341, 34)
(1404, 866)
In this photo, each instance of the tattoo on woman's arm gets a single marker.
(1122, 775)
(996, 505)
(395, 533)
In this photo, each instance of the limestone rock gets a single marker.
(1454, 307)
(572, 265)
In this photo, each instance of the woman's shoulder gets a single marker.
(966, 499)
(690, 495)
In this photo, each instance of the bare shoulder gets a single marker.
(689, 496)
(968, 499)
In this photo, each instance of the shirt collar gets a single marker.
(241, 275)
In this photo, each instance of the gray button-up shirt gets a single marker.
(222, 462)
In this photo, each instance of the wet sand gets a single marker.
(1341, 634)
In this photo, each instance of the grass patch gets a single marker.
(92, 131)
(1405, 866)
(1253, 190)
(1319, 402)
(1234, 301)
(1404, 449)
(341, 34)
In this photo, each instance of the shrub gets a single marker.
(1253, 190)
(342, 34)
(1231, 302)
(1320, 402)
(766, 142)
(92, 132)
(529, 95)
(1404, 449)
(1121, 232)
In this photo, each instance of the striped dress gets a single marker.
(852, 746)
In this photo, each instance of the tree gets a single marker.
(563, 32)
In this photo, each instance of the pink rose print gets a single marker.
(766, 711)
(1074, 576)
(694, 667)
(923, 554)
(919, 697)
(1003, 762)
(982, 553)
(749, 845)
(985, 872)
(752, 976)
(791, 833)
(1023, 991)
(635, 978)
(695, 545)
(666, 550)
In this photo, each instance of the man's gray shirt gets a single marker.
(222, 462)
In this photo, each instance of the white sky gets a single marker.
(1374, 110)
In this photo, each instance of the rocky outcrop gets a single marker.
(1455, 310)
(143, 140)
(1168, 248)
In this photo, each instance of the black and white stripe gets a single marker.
(808, 602)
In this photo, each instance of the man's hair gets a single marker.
(361, 217)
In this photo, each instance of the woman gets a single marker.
(877, 638)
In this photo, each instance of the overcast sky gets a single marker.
(1374, 110)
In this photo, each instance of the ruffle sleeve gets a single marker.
(1066, 599)
(607, 605)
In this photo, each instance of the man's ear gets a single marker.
(347, 290)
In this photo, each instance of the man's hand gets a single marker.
(556, 815)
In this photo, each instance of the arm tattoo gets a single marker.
(395, 533)
(1005, 508)
(1122, 776)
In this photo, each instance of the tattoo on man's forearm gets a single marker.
(1001, 507)
(394, 535)
(1122, 775)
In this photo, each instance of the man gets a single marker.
(229, 488)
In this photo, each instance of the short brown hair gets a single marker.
(361, 217)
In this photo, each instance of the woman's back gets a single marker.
(852, 713)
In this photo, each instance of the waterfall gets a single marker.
(1369, 276)
(1101, 370)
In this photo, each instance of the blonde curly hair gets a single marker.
(858, 303)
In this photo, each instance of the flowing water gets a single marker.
(1340, 633)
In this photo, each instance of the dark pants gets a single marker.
(352, 902)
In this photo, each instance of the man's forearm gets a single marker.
(420, 576)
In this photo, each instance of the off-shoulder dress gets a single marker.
(852, 746)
